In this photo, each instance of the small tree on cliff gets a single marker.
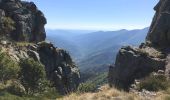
(33, 76)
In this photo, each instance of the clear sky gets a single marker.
(97, 14)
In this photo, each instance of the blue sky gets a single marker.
(97, 14)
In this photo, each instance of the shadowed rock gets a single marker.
(133, 63)
(29, 27)
(159, 33)
(151, 56)
(28, 19)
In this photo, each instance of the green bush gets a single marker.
(8, 68)
(50, 94)
(33, 76)
(154, 83)
(16, 88)
(7, 25)
(86, 87)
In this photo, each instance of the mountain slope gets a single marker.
(94, 51)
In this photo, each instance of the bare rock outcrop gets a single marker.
(159, 33)
(29, 21)
(151, 56)
(22, 34)
(134, 63)
(61, 70)
(59, 67)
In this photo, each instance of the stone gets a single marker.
(34, 55)
(2, 13)
(132, 63)
(61, 70)
(59, 67)
(151, 56)
(29, 28)
(28, 19)
(159, 33)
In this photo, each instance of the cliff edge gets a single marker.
(22, 36)
(152, 56)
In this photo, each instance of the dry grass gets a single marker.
(23, 44)
(107, 93)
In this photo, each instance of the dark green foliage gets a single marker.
(154, 83)
(94, 78)
(86, 87)
(16, 88)
(32, 80)
(8, 96)
(8, 68)
(99, 79)
(7, 25)
(33, 76)
(51, 94)
(93, 83)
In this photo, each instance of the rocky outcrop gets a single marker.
(60, 68)
(134, 63)
(22, 21)
(29, 21)
(151, 56)
(159, 33)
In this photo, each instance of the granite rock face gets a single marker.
(29, 21)
(159, 33)
(134, 63)
(60, 68)
(151, 56)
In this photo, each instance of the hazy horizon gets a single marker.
(95, 29)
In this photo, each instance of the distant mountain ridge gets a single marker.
(93, 51)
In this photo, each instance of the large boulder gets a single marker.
(134, 63)
(28, 19)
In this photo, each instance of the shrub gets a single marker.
(7, 25)
(86, 87)
(33, 76)
(8, 68)
(154, 83)
(16, 88)
(51, 94)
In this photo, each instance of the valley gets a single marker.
(73, 50)
(93, 52)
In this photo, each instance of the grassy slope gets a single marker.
(47, 96)
(107, 93)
